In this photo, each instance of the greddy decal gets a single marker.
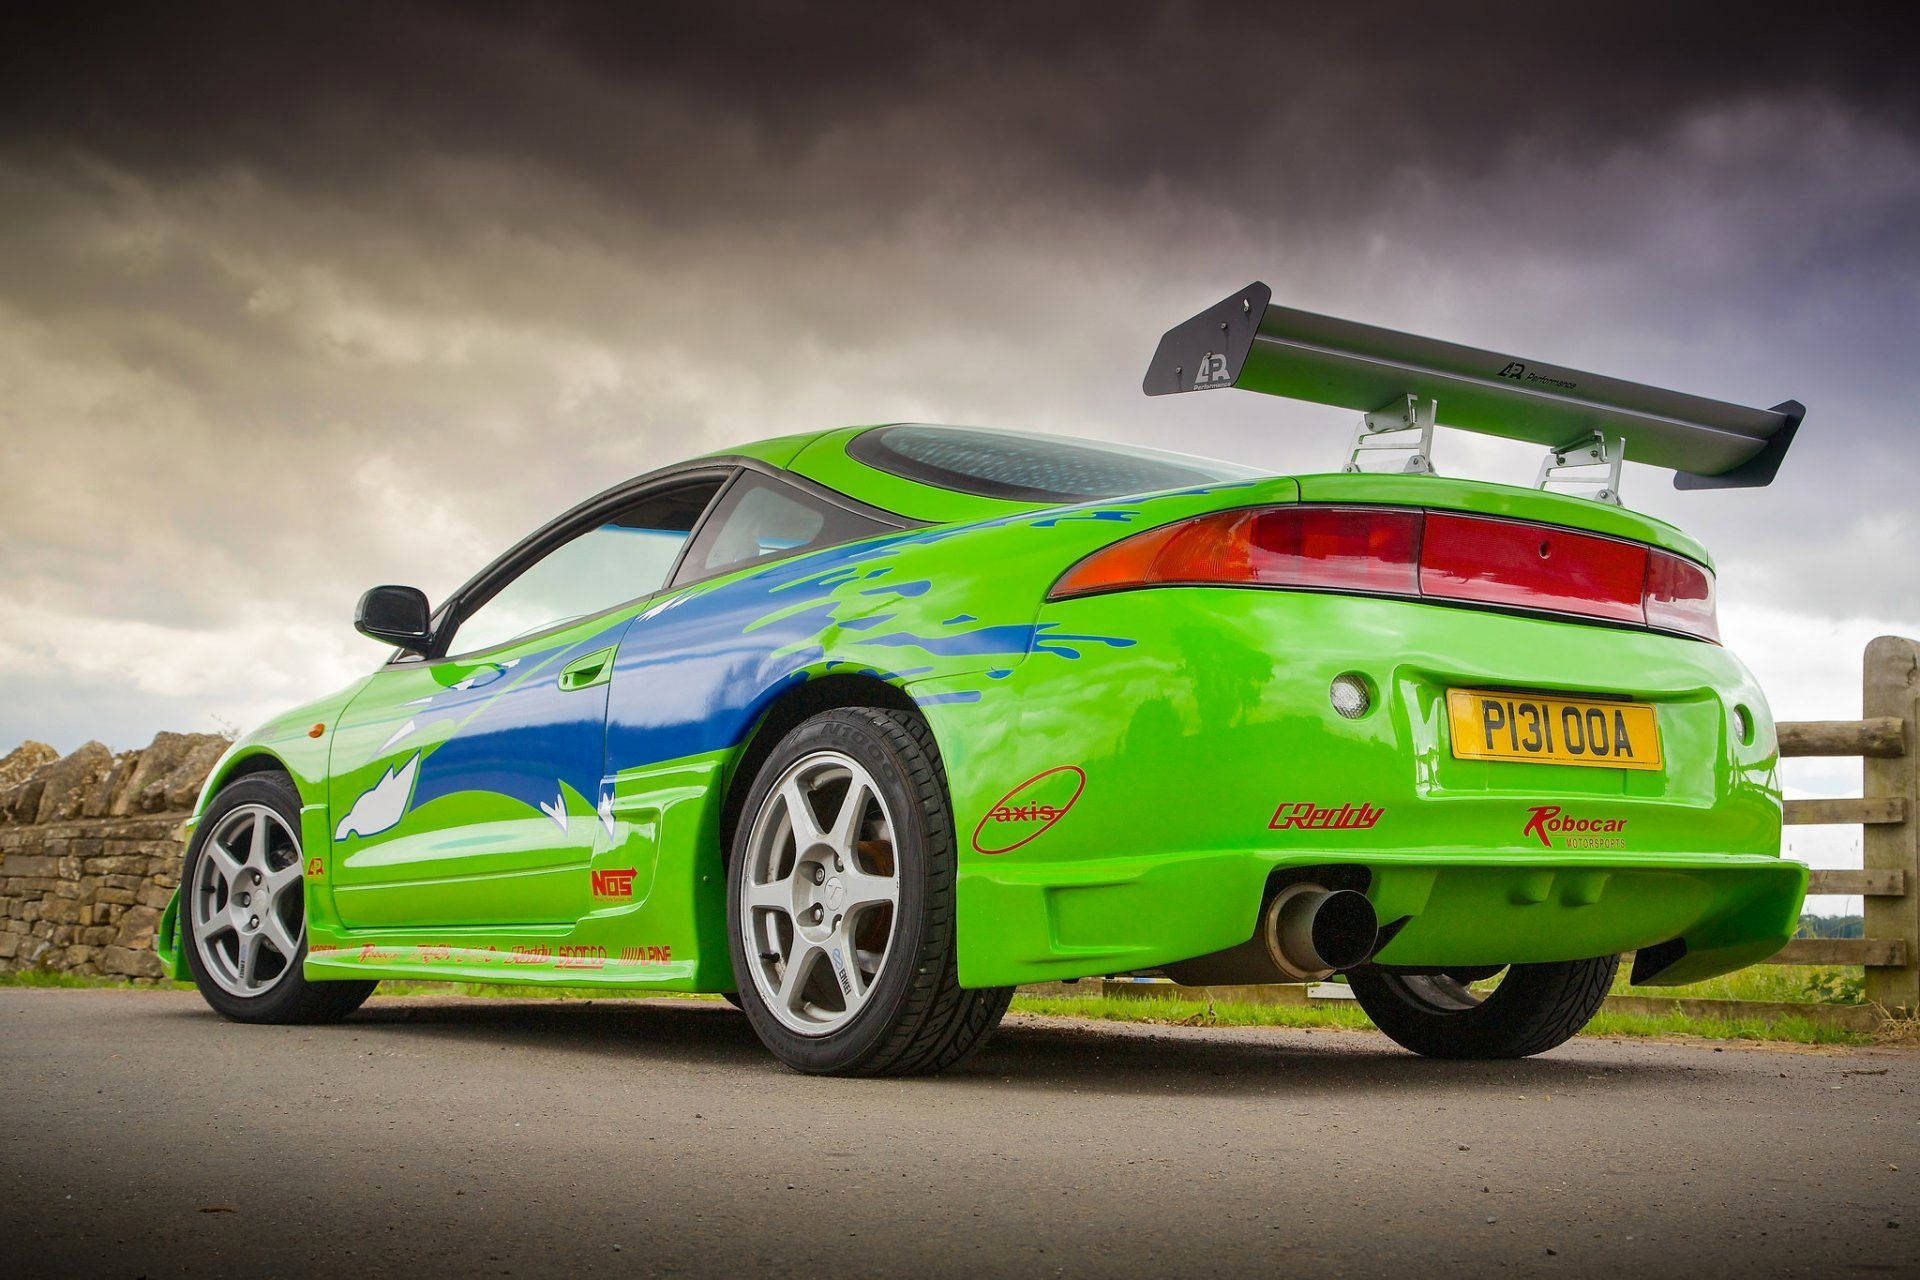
(1547, 820)
(1025, 813)
(1304, 816)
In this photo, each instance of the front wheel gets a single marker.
(840, 903)
(243, 910)
(1534, 1007)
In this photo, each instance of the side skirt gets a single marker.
(534, 963)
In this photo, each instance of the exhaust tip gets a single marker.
(1344, 929)
(1316, 932)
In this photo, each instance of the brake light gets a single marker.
(1336, 548)
(1530, 566)
(1679, 597)
(1406, 552)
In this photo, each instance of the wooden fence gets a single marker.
(1887, 740)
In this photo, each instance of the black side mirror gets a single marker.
(397, 616)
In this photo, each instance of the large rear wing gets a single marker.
(1403, 382)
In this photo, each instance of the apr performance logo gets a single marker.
(1546, 821)
(1518, 373)
(1311, 817)
(1213, 371)
(1025, 813)
(613, 883)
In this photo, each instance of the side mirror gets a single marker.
(396, 616)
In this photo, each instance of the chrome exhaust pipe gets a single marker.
(1306, 932)
(1317, 932)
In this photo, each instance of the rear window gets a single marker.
(997, 464)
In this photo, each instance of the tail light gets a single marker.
(1679, 597)
(1431, 555)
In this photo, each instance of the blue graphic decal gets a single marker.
(1014, 638)
(694, 676)
(1116, 515)
(526, 739)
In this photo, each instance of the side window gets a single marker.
(627, 555)
(760, 518)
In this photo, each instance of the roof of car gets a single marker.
(821, 456)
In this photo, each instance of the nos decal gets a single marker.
(1025, 812)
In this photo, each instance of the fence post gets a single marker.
(1890, 686)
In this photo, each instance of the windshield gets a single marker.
(1001, 464)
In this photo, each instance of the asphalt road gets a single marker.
(141, 1135)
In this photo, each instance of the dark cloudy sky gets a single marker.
(294, 299)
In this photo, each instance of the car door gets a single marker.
(464, 789)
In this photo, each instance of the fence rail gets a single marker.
(1888, 881)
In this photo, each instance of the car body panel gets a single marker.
(1117, 763)
(1503, 500)
(1224, 734)
(826, 461)
(465, 791)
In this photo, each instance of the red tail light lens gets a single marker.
(1530, 566)
(1397, 551)
(1336, 548)
(1679, 597)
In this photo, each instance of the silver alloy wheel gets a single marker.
(820, 887)
(1439, 992)
(248, 901)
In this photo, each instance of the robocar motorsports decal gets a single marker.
(1547, 821)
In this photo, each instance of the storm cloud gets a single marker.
(294, 299)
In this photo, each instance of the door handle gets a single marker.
(585, 673)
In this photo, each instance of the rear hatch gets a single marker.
(1506, 501)
(1494, 707)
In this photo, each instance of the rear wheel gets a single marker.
(244, 911)
(840, 903)
(1532, 1008)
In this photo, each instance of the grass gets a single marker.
(1760, 983)
(49, 978)
(1344, 1015)
(1788, 983)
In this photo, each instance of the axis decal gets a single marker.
(1025, 813)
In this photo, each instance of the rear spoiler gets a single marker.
(1249, 343)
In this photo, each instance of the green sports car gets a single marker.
(865, 727)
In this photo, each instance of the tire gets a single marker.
(874, 991)
(245, 864)
(1536, 1007)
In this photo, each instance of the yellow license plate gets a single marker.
(1511, 726)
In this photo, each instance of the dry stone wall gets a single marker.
(90, 851)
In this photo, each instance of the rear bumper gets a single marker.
(1729, 911)
(1198, 730)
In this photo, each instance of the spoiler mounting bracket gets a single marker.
(1409, 423)
(1592, 460)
